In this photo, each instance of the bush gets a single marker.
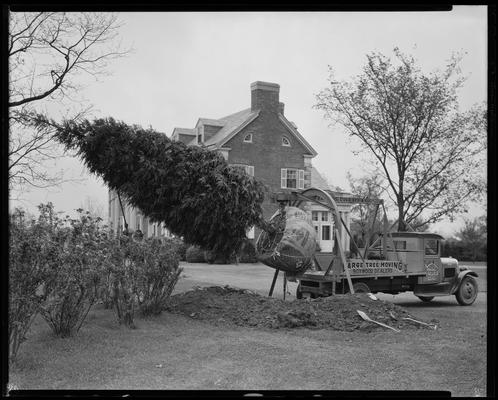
(74, 271)
(195, 254)
(212, 257)
(143, 273)
(29, 250)
(247, 253)
(181, 247)
(159, 263)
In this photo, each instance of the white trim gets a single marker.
(283, 178)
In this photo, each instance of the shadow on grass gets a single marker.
(432, 304)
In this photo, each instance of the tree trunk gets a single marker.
(401, 219)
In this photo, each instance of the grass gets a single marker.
(176, 352)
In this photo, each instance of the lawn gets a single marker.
(178, 352)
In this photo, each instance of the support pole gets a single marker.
(273, 282)
(122, 211)
(285, 285)
(345, 266)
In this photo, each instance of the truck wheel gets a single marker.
(359, 287)
(467, 291)
(426, 298)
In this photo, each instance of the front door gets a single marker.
(322, 222)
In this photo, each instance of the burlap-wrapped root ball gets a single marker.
(291, 245)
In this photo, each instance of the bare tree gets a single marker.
(430, 154)
(48, 52)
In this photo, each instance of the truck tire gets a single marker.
(359, 287)
(467, 291)
(425, 298)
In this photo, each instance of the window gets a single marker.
(314, 215)
(248, 169)
(326, 232)
(285, 141)
(431, 247)
(400, 244)
(292, 178)
(325, 215)
(248, 138)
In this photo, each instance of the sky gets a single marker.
(189, 65)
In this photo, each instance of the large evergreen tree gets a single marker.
(192, 190)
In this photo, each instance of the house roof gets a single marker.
(231, 125)
(184, 131)
(426, 235)
(209, 121)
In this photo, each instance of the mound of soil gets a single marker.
(221, 305)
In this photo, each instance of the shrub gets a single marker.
(195, 254)
(73, 273)
(247, 253)
(182, 250)
(158, 260)
(29, 250)
(211, 257)
(181, 246)
(143, 273)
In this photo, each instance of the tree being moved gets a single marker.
(192, 190)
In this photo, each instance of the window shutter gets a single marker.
(300, 184)
(283, 179)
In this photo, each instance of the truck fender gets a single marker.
(460, 277)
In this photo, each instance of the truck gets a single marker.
(394, 262)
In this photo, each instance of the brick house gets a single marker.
(265, 144)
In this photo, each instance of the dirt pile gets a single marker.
(221, 305)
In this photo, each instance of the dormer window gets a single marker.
(285, 141)
(248, 138)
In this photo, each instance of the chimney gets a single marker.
(281, 107)
(264, 96)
